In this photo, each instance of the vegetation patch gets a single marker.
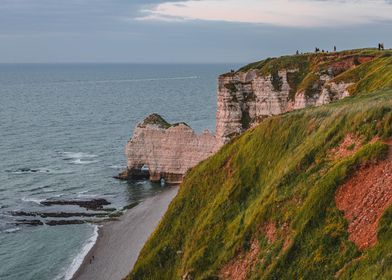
(231, 87)
(155, 119)
(276, 81)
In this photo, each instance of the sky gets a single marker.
(197, 31)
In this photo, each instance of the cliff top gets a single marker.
(159, 121)
(302, 60)
(155, 119)
(367, 69)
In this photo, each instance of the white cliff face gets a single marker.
(168, 152)
(245, 98)
(327, 95)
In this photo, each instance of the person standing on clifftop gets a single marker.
(334, 48)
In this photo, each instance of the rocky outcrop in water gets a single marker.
(159, 150)
(92, 204)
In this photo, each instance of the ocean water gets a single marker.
(63, 128)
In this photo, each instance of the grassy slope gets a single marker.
(277, 172)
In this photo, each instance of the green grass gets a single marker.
(276, 172)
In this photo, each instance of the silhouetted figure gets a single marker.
(93, 257)
(297, 53)
(334, 48)
(231, 71)
(379, 46)
(317, 50)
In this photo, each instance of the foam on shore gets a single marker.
(77, 262)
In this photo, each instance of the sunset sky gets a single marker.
(214, 31)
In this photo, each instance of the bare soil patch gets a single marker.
(364, 198)
(238, 268)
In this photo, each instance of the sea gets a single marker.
(63, 129)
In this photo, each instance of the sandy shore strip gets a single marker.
(119, 242)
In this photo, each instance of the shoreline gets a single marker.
(119, 242)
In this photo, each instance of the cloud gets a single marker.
(297, 13)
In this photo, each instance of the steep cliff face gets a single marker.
(270, 87)
(278, 85)
(162, 150)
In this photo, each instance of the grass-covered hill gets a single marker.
(266, 206)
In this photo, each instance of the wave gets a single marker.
(57, 195)
(86, 195)
(141, 182)
(43, 188)
(76, 155)
(85, 191)
(77, 262)
(11, 230)
(26, 170)
(32, 199)
(118, 166)
(79, 157)
(80, 161)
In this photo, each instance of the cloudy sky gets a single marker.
(197, 31)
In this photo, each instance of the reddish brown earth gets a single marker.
(349, 146)
(364, 198)
(349, 63)
(270, 232)
(240, 266)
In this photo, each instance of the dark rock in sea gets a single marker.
(57, 214)
(23, 213)
(92, 204)
(64, 222)
(29, 222)
(132, 175)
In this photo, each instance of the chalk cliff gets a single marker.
(162, 150)
(270, 87)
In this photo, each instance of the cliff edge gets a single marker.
(159, 150)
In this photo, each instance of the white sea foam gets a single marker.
(32, 199)
(80, 161)
(78, 260)
(79, 157)
(82, 192)
(11, 230)
(117, 166)
(141, 182)
(86, 195)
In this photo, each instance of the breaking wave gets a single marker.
(77, 262)
(79, 157)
